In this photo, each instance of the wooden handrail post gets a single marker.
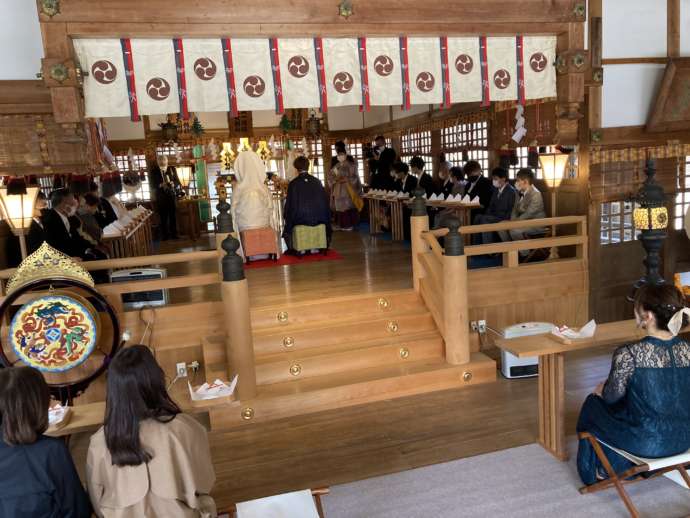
(419, 222)
(239, 343)
(455, 305)
(224, 226)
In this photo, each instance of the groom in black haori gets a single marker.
(306, 203)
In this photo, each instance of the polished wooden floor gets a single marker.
(356, 443)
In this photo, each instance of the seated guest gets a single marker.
(641, 408)
(61, 227)
(105, 214)
(404, 181)
(87, 211)
(306, 202)
(529, 205)
(345, 186)
(479, 186)
(38, 476)
(148, 459)
(445, 184)
(36, 236)
(424, 179)
(457, 175)
(501, 205)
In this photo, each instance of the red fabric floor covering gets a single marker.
(285, 260)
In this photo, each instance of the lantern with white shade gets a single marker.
(17, 203)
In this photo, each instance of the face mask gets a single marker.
(473, 178)
(341, 158)
(496, 184)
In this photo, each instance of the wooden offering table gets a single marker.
(132, 240)
(377, 204)
(551, 354)
(189, 218)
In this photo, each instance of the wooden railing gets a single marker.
(442, 279)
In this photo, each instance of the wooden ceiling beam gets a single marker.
(673, 29)
(134, 29)
(316, 11)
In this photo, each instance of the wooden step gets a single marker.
(293, 366)
(287, 399)
(324, 309)
(320, 334)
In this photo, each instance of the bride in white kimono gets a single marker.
(252, 203)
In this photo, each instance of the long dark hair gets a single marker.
(663, 301)
(24, 402)
(136, 391)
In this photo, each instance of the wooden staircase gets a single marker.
(338, 352)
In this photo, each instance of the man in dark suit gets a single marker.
(478, 186)
(425, 181)
(500, 207)
(383, 160)
(165, 185)
(404, 181)
(60, 228)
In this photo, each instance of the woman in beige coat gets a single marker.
(149, 459)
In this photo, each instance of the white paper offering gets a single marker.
(467, 199)
(475, 201)
(212, 391)
(586, 331)
(57, 414)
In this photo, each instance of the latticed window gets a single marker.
(617, 222)
(242, 124)
(416, 143)
(472, 137)
(682, 195)
(46, 184)
(143, 193)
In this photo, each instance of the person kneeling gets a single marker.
(500, 207)
(148, 459)
(530, 205)
(38, 476)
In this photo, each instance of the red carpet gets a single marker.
(285, 260)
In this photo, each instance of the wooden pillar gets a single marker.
(419, 222)
(220, 237)
(455, 304)
(239, 344)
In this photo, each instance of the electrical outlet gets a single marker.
(473, 325)
(481, 326)
(181, 369)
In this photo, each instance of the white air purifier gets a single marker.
(511, 365)
(142, 299)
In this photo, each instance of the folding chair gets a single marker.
(299, 504)
(537, 254)
(642, 465)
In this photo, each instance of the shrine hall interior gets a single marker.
(345, 258)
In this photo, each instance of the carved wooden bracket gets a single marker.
(573, 61)
(49, 8)
(595, 136)
(580, 11)
(59, 72)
